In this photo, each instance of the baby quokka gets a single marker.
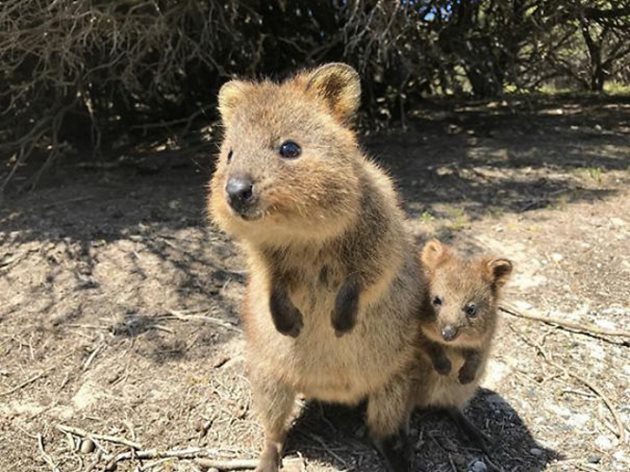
(458, 321)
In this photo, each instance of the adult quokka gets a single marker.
(459, 318)
(327, 255)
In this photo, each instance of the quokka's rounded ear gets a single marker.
(498, 271)
(230, 95)
(432, 252)
(339, 85)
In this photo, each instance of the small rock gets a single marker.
(478, 466)
(594, 459)
(603, 442)
(557, 257)
(534, 451)
(87, 446)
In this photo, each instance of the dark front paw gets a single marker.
(286, 317)
(466, 376)
(397, 453)
(343, 326)
(442, 366)
(291, 329)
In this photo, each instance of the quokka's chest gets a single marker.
(313, 287)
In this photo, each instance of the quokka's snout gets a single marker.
(240, 194)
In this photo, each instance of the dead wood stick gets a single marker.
(26, 382)
(621, 430)
(184, 317)
(579, 327)
(101, 437)
(49, 460)
(189, 453)
(227, 464)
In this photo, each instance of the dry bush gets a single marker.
(77, 76)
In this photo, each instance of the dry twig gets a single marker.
(102, 437)
(49, 460)
(191, 453)
(621, 430)
(208, 319)
(589, 329)
(228, 464)
(26, 382)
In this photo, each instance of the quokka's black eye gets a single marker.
(437, 301)
(229, 156)
(470, 310)
(290, 150)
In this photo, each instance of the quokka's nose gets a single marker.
(239, 192)
(449, 333)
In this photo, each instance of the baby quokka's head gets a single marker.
(287, 167)
(462, 295)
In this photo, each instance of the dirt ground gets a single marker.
(119, 304)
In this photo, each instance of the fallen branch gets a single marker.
(101, 437)
(49, 460)
(227, 464)
(199, 454)
(26, 382)
(587, 329)
(621, 430)
(208, 319)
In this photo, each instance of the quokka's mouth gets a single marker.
(247, 214)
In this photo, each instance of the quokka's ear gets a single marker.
(432, 252)
(230, 95)
(498, 271)
(339, 86)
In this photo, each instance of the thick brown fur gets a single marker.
(454, 283)
(315, 221)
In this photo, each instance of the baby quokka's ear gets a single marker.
(230, 95)
(432, 253)
(497, 271)
(339, 86)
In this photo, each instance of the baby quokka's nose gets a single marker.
(449, 332)
(239, 191)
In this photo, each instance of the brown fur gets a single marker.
(316, 220)
(457, 281)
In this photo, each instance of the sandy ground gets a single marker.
(119, 304)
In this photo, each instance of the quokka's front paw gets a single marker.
(294, 329)
(442, 366)
(465, 376)
(286, 317)
(290, 326)
(343, 326)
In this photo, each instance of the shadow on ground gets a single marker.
(335, 435)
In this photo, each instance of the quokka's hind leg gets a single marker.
(274, 403)
(388, 414)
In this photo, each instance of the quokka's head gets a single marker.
(288, 163)
(462, 294)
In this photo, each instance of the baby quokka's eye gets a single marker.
(229, 156)
(437, 301)
(470, 310)
(290, 150)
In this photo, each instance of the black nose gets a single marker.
(240, 192)
(449, 333)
